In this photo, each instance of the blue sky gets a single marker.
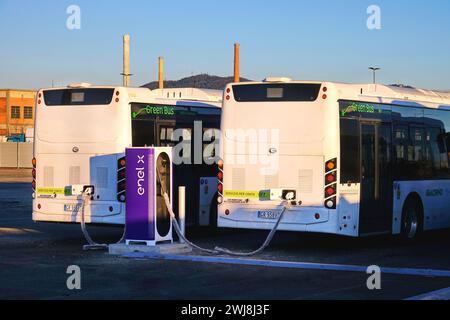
(326, 40)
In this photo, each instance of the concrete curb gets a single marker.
(163, 249)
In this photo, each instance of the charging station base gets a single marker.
(170, 248)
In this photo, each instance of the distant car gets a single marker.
(16, 138)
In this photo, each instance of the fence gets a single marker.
(16, 154)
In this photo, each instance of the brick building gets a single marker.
(16, 111)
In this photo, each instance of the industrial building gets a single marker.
(16, 111)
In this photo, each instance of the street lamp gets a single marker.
(374, 70)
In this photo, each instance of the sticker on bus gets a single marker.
(50, 191)
(236, 194)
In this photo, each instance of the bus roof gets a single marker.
(376, 92)
(199, 97)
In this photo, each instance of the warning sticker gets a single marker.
(236, 194)
(50, 191)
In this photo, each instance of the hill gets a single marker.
(201, 81)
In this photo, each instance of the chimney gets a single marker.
(161, 73)
(236, 62)
(126, 60)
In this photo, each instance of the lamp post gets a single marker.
(374, 70)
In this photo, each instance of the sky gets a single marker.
(304, 40)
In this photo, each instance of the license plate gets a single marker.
(269, 215)
(72, 207)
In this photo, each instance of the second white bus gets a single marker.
(360, 159)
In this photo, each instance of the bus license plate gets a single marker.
(268, 215)
(72, 207)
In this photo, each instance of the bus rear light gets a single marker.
(39, 95)
(331, 203)
(39, 206)
(317, 216)
(122, 163)
(330, 178)
(330, 191)
(121, 197)
(227, 212)
(117, 99)
(33, 173)
(33, 195)
(121, 179)
(219, 200)
(331, 165)
(39, 101)
(220, 177)
(121, 175)
(33, 184)
(33, 162)
(324, 97)
(325, 89)
(228, 90)
(228, 97)
(117, 93)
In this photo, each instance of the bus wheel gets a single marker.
(411, 219)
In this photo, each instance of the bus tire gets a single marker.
(412, 218)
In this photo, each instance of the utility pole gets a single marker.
(126, 60)
(236, 62)
(374, 70)
(161, 73)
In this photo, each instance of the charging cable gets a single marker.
(88, 192)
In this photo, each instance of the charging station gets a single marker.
(148, 174)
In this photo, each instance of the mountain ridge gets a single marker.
(200, 81)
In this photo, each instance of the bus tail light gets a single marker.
(331, 184)
(33, 173)
(331, 165)
(330, 178)
(121, 179)
(330, 191)
(331, 203)
(220, 181)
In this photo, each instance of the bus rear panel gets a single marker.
(278, 137)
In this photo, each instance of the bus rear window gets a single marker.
(78, 97)
(276, 92)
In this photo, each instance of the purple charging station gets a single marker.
(140, 188)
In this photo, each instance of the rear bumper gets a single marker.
(301, 219)
(98, 212)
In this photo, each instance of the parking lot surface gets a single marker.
(34, 258)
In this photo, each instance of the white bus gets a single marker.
(361, 159)
(81, 133)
